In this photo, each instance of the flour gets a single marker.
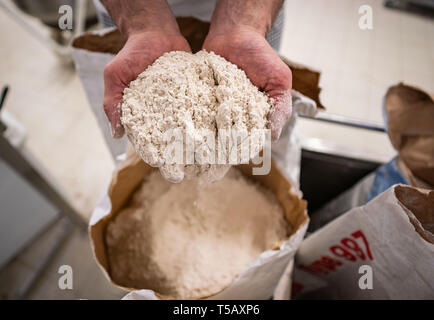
(198, 94)
(190, 240)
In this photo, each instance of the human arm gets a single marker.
(237, 32)
(151, 30)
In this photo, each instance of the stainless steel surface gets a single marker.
(423, 8)
(405, 3)
(345, 121)
(327, 170)
(25, 214)
(42, 184)
(4, 93)
(323, 176)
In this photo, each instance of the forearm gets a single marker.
(138, 16)
(257, 15)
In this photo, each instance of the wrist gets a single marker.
(137, 17)
(230, 26)
(150, 27)
(143, 33)
(235, 30)
(156, 40)
(251, 15)
(146, 27)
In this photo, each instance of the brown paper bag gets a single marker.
(410, 123)
(257, 281)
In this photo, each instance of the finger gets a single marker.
(280, 113)
(113, 91)
(114, 113)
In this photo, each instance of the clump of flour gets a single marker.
(186, 99)
(190, 240)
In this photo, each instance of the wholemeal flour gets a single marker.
(190, 240)
(199, 94)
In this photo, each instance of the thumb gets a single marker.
(280, 113)
(113, 112)
(113, 92)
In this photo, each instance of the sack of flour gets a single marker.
(381, 250)
(257, 280)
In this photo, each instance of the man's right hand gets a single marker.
(139, 52)
(151, 30)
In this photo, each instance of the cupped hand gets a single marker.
(250, 51)
(139, 52)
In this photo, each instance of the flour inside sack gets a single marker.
(191, 240)
(188, 114)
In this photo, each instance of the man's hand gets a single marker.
(139, 52)
(152, 31)
(237, 33)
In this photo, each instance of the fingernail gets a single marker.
(112, 131)
(277, 136)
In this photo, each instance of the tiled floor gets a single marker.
(88, 282)
(357, 67)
